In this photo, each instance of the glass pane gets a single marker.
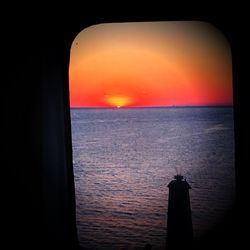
(148, 101)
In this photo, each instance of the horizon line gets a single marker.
(170, 106)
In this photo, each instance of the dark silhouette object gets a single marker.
(179, 221)
(148, 247)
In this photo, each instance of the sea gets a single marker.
(125, 158)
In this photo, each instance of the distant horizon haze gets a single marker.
(169, 106)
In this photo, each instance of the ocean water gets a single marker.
(124, 159)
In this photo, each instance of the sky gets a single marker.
(148, 64)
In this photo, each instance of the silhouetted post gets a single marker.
(179, 220)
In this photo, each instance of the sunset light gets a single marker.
(118, 101)
(150, 64)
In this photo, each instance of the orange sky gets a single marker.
(150, 64)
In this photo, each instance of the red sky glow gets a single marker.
(149, 64)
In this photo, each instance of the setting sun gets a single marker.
(118, 101)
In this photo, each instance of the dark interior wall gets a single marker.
(58, 185)
(39, 200)
(21, 138)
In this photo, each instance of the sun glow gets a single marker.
(118, 101)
